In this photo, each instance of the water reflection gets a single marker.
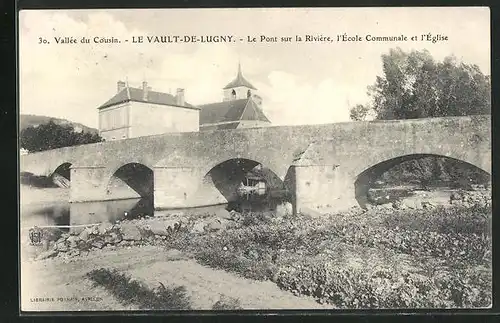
(80, 214)
(110, 211)
(65, 214)
(54, 215)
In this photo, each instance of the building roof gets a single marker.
(230, 111)
(239, 81)
(221, 126)
(136, 94)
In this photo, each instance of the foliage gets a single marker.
(409, 258)
(130, 291)
(435, 169)
(359, 112)
(415, 85)
(51, 136)
(227, 303)
(384, 287)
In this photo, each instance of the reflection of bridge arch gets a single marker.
(366, 178)
(131, 180)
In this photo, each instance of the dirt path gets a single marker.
(64, 283)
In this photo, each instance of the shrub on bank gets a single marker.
(451, 220)
(227, 303)
(447, 245)
(130, 291)
(375, 287)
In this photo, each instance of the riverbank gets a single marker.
(388, 256)
(54, 279)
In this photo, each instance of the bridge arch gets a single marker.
(227, 175)
(61, 176)
(365, 179)
(130, 180)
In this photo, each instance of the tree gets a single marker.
(51, 136)
(359, 112)
(415, 85)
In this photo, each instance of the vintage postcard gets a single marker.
(251, 159)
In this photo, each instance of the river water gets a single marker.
(51, 207)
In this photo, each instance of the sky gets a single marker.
(300, 82)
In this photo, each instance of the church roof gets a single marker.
(136, 94)
(239, 81)
(230, 111)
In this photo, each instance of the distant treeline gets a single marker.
(51, 136)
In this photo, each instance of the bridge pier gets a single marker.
(323, 186)
(183, 187)
(88, 183)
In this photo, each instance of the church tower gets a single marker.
(240, 88)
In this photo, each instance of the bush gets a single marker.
(445, 252)
(451, 220)
(130, 291)
(385, 287)
(227, 303)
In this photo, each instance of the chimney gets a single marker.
(145, 90)
(180, 97)
(120, 86)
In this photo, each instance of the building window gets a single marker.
(233, 93)
(249, 94)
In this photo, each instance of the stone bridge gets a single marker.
(318, 164)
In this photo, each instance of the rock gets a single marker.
(73, 242)
(74, 232)
(411, 204)
(98, 244)
(83, 245)
(61, 246)
(427, 205)
(145, 231)
(123, 243)
(47, 254)
(284, 209)
(84, 235)
(217, 224)
(235, 216)
(130, 232)
(162, 231)
(113, 238)
(198, 227)
(103, 228)
(223, 214)
(386, 206)
(74, 253)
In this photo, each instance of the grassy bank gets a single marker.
(438, 258)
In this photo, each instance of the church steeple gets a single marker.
(240, 75)
(239, 81)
